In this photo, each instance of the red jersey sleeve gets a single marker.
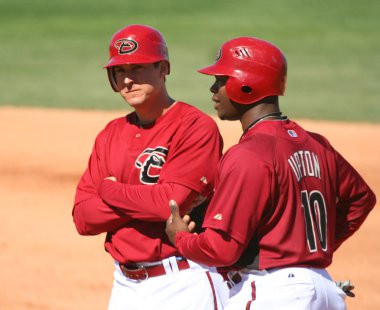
(147, 203)
(242, 195)
(355, 201)
(212, 248)
(90, 213)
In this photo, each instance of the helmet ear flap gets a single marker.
(112, 79)
(246, 89)
(239, 90)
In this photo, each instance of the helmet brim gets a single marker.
(134, 59)
(216, 70)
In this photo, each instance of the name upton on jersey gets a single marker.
(304, 163)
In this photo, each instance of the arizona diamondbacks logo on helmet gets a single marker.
(126, 46)
(150, 162)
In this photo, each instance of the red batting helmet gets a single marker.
(135, 44)
(256, 69)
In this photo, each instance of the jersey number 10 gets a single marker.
(314, 208)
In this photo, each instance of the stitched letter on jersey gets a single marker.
(150, 162)
(305, 163)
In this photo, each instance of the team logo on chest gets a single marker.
(150, 162)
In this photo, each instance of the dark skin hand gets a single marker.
(175, 223)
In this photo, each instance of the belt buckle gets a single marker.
(145, 273)
(135, 274)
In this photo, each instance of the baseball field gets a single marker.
(55, 98)
(45, 264)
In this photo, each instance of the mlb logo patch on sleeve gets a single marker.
(292, 133)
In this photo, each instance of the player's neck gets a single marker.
(249, 119)
(262, 110)
(147, 114)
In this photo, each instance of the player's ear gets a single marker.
(165, 67)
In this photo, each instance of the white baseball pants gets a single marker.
(292, 288)
(198, 287)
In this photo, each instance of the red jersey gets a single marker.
(286, 196)
(178, 154)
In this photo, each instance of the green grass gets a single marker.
(52, 52)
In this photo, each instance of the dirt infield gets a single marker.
(45, 264)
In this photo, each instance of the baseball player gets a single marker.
(285, 199)
(163, 149)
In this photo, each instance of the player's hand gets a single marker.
(112, 178)
(347, 287)
(175, 223)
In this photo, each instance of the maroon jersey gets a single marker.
(179, 153)
(287, 196)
